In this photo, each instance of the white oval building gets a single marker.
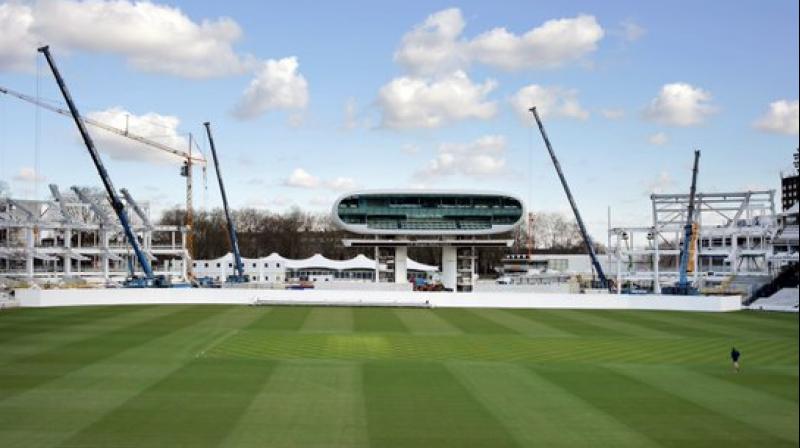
(397, 212)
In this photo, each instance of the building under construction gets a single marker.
(733, 237)
(75, 235)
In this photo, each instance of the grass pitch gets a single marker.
(197, 376)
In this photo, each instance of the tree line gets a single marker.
(301, 234)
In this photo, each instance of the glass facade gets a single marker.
(433, 212)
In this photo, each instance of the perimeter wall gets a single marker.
(77, 297)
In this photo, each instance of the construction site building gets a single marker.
(76, 235)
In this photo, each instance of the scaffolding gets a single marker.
(732, 237)
(74, 236)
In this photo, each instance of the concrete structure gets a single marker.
(457, 222)
(72, 297)
(277, 269)
(76, 235)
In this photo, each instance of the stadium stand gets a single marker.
(786, 299)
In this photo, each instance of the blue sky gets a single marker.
(411, 94)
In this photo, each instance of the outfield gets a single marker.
(196, 376)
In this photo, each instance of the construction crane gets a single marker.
(683, 287)
(116, 203)
(587, 240)
(238, 265)
(189, 160)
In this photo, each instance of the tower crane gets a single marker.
(238, 265)
(189, 159)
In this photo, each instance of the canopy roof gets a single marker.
(360, 261)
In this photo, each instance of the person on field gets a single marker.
(735, 358)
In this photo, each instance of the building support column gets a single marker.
(29, 249)
(401, 264)
(377, 264)
(449, 267)
(104, 252)
(67, 252)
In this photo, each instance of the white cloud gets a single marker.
(660, 184)
(410, 102)
(553, 44)
(17, 42)
(151, 37)
(481, 158)
(437, 45)
(341, 184)
(631, 31)
(680, 104)
(781, 118)
(549, 101)
(613, 114)
(301, 178)
(28, 174)
(433, 46)
(658, 139)
(277, 85)
(159, 128)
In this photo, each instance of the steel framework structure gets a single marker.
(733, 233)
(73, 235)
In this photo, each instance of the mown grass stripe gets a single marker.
(423, 404)
(32, 371)
(704, 322)
(329, 320)
(470, 321)
(660, 321)
(377, 320)
(562, 320)
(280, 318)
(783, 385)
(159, 417)
(540, 413)
(53, 320)
(521, 324)
(74, 401)
(664, 417)
(774, 416)
(423, 321)
(314, 404)
(613, 321)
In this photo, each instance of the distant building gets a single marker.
(789, 191)
(317, 268)
(457, 222)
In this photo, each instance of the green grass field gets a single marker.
(197, 376)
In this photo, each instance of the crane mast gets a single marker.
(116, 203)
(586, 238)
(683, 286)
(238, 265)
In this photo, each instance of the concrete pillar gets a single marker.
(449, 267)
(400, 264)
(29, 248)
(67, 252)
(104, 252)
(377, 264)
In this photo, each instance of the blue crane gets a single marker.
(684, 287)
(587, 240)
(116, 203)
(238, 265)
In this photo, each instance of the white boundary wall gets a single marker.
(73, 297)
